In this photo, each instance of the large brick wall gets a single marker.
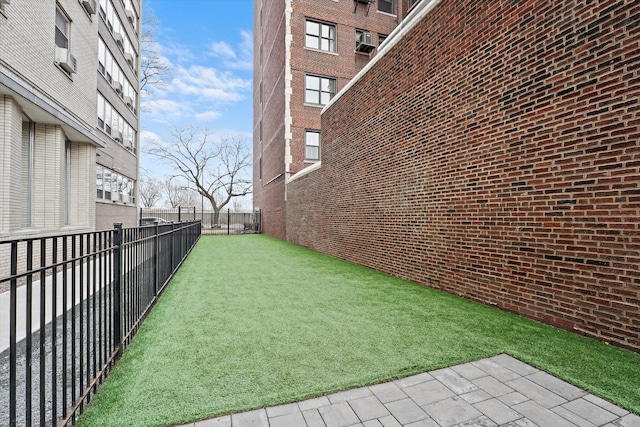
(494, 153)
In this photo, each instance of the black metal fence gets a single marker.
(213, 222)
(68, 307)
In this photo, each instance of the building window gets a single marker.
(62, 29)
(412, 2)
(381, 38)
(386, 6)
(111, 186)
(312, 145)
(318, 90)
(99, 182)
(320, 36)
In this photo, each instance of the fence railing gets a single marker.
(213, 222)
(69, 306)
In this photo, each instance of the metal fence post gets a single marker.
(117, 287)
(12, 334)
(156, 267)
(228, 222)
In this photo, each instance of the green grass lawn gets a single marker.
(251, 321)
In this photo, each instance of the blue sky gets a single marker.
(208, 44)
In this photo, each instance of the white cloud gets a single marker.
(166, 107)
(222, 50)
(209, 84)
(148, 138)
(208, 115)
(240, 58)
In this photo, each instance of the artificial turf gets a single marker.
(250, 321)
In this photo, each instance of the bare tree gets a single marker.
(238, 205)
(149, 192)
(216, 166)
(154, 69)
(179, 194)
(173, 192)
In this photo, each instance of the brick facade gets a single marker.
(281, 60)
(493, 152)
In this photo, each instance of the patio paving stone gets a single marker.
(500, 391)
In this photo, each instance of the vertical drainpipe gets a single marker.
(288, 38)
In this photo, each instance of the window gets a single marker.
(319, 90)
(312, 145)
(412, 2)
(320, 36)
(99, 185)
(111, 186)
(386, 6)
(381, 38)
(100, 111)
(62, 29)
(103, 9)
(102, 56)
(106, 182)
(115, 125)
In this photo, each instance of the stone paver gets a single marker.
(497, 391)
(451, 411)
(338, 415)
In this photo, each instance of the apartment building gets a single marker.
(117, 111)
(68, 115)
(305, 51)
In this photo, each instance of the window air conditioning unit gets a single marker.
(364, 43)
(130, 15)
(117, 86)
(117, 135)
(118, 38)
(128, 100)
(90, 6)
(129, 58)
(66, 60)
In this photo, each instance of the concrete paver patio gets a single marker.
(498, 391)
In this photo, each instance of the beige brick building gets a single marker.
(68, 115)
(305, 51)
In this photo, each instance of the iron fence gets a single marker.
(68, 307)
(213, 222)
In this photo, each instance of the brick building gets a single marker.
(305, 51)
(68, 115)
(502, 164)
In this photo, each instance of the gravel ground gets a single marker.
(21, 370)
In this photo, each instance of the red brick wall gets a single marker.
(268, 113)
(343, 65)
(269, 35)
(494, 153)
